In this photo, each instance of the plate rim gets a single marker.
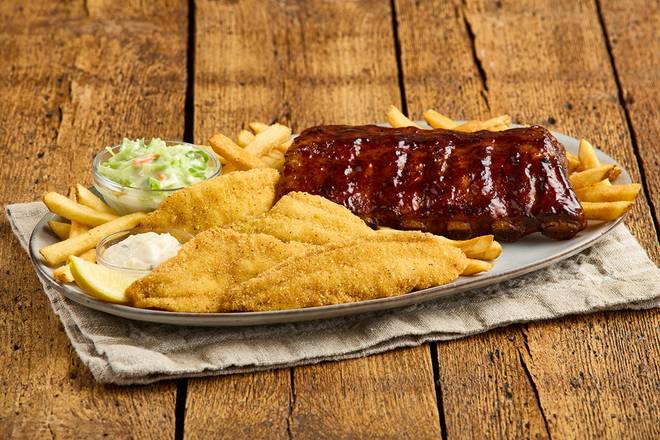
(237, 319)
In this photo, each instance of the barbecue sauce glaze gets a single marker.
(460, 185)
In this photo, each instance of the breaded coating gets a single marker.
(197, 278)
(363, 269)
(306, 218)
(314, 219)
(217, 202)
(306, 251)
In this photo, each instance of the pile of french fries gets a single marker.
(479, 250)
(438, 120)
(263, 146)
(90, 221)
(590, 179)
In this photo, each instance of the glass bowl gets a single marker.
(181, 236)
(126, 199)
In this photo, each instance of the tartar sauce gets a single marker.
(142, 251)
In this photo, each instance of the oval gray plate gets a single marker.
(529, 254)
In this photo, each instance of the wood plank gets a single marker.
(74, 79)
(238, 406)
(303, 63)
(597, 376)
(235, 81)
(485, 390)
(390, 395)
(632, 31)
(550, 66)
(543, 62)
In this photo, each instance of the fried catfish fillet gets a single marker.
(314, 219)
(216, 202)
(308, 219)
(197, 278)
(358, 270)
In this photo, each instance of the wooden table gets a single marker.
(79, 75)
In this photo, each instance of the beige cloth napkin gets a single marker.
(613, 274)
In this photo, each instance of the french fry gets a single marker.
(476, 125)
(268, 139)
(573, 163)
(244, 138)
(500, 127)
(77, 228)
(614, 173)
(438, 120)
(587, 155)
(274, 159)
(73, 211)
(476, 266)
(285, 146)
(89, 199)
(238, 158)
(63, 273)
(258, 127)
(473, 247)
(60, 229)
(601, 192)
(606, 211)
(398, 119)
(89, 255)
(229, 168)
(59, 252)
(493, 251)
(504, 120)
(588, 177)
(470, 126)
(601, 184)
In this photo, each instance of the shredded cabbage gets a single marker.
(154, 165)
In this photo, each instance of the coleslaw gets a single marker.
(154, 165)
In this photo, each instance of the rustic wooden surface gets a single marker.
(503, 58)
(77, 75)
(74, 78)
(633, 43)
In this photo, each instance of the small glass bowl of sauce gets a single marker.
(138, 251)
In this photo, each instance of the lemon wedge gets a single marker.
(99, 281)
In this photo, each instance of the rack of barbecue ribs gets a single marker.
(509, 183)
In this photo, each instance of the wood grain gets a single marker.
(542, 62)
(597, 376)
(389, 395)
(548, 63)
(486, 388)
(304, 63)
(74, 78)
(239, 406)
(632, 31)
(485, 391)
(80, 75)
